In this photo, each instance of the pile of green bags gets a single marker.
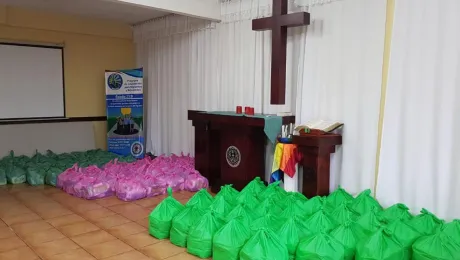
(43, 169)
(269, 223)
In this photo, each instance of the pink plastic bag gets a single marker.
(68, 177)
(176, 182)
(196, 182)
(130, 189)
(154, 186)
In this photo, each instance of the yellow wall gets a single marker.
(386, 64)
(90, 47)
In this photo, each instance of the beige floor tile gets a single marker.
(51, 190)
(108, 249)
(124, 208)
(76, 254)
(110, 201)
(131, 211)
(126, 229)
(6, 232)
(41, 237)
(94, 215)
(143, 222)
(111, 221)
(54, 213)
(148, 203)
(93, 238)
(83, 207)
(2, 224)
(65, 220)
(132, 255)
(184, 256)
(22, 218)
(22, 253)
(31, 227)
(55, 247)
(11, 243)
(78, 228)
(12, 210)
(140, 240)
(162, 250)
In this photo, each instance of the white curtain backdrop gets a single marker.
(195, 64)
(419, 163)
(342, 78)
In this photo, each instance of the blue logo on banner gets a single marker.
(137, 149)
(115, 81)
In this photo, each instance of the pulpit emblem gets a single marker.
(233, 156)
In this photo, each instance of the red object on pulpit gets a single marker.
(239, 110)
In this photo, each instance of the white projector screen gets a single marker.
(31, 82)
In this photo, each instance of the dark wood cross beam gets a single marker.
(279, 23)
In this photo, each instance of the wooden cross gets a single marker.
(279, 23)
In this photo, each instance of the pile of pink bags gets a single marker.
(133, 181)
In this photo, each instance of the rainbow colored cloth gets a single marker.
(284, 161)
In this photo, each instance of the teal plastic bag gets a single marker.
(382, 246)
(320, 247)
(348, 235)
(51, 176)
(15, 174)
(202, 199)
(313, 205)
(291, 232)
(364, 203)
(369, 222)
(320, 223)
(336, 198)
(229, 193)
(426, 223)
(396, 212)
(181, 224)
(34, 176)
(265, 245)
(435, 247)
(343, 213)
(452, 230)
(2, 176)
(230, 239)
(160, 220)
(221, 206)
(199, 241)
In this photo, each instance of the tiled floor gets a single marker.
(46, 223)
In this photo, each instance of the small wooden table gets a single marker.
(316, 160)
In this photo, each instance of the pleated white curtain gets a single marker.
(419, 163)
(342, 79)
(195, 64)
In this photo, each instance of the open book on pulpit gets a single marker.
(318, 127)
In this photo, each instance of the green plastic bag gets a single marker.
(15, 174)
(297, 196)
(229, 193)
(202, 199)
(221, 206)
(370, 222)
(452, 230)
(160, 220)
(199, 241)
(348, 235)
(243, 212)
(230, 239)
(254, 187)
(320, 247)
(404, 234)
(436, 247)
(336, 198)
(381, 246)
(426, 223)
(395, 212)
(270, 221)
(343, 213)
(313, 205)
(291, 232)
(2, 176)
(181, 224)
(270, 205)
(35, 177)
(51, 176)
(292, 208)
(248, 199)
(272, 188)
(320, 223)
(265, 245)
(364, 203)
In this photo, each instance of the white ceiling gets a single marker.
(102, 9)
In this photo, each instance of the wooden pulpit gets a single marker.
(230, 149)
(316, 152)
